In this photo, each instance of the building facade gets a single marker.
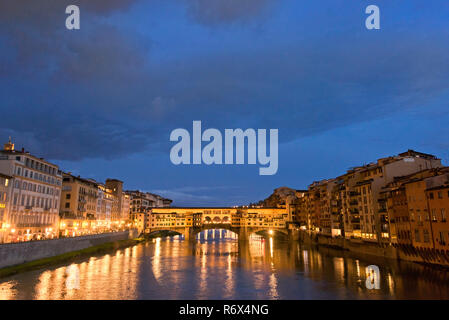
(6, 183)
(35, 194)
(354, 204)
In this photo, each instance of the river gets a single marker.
(217, 266)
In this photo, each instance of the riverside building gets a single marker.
(353, 205)
(33, 205)
(88, 206)
(6, 183)
(79, 201)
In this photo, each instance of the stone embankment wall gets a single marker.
(18, 253)
(405, 253)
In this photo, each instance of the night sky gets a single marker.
(102, 101)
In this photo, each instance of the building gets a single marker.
(365, 212)
(405, 203)
(104, 207)
(140, 206)
(35, 193)
(78, 198)
(140, 202)
(126, 207)
(438, 201)
(118, 207)
(354, 205)
(88, 206)
(79, 202)
(6, 183)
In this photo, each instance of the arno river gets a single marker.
(220, 268)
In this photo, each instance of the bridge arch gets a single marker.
(215, 234)
(167, 230)
(270, 232)
(215, 226)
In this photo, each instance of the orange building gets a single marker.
(420, 225)
(397, 205)
(438, 200)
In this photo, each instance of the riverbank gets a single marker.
(404, 253)
(69, 256)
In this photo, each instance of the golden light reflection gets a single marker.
(390, 283)
(43, 286)
(339, 267)
(273, 287)
(221, 269)
(105, 277)
(305, 256)
(8, 290)
(156, 265)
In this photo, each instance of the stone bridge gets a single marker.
(242, 221)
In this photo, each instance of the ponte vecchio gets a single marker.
(242, 221)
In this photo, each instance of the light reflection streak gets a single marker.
(339, 267)
(156, 265)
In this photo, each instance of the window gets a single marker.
(440, 195)
(443, 215)
(426, 235)
(431, 195)
(434, 214)
(417, 238)
(67, 205)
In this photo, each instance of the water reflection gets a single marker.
(217, 266)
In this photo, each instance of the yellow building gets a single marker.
(79, 202)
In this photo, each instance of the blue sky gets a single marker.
(101, 101)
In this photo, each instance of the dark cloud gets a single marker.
(216, 12)
(98, 93)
